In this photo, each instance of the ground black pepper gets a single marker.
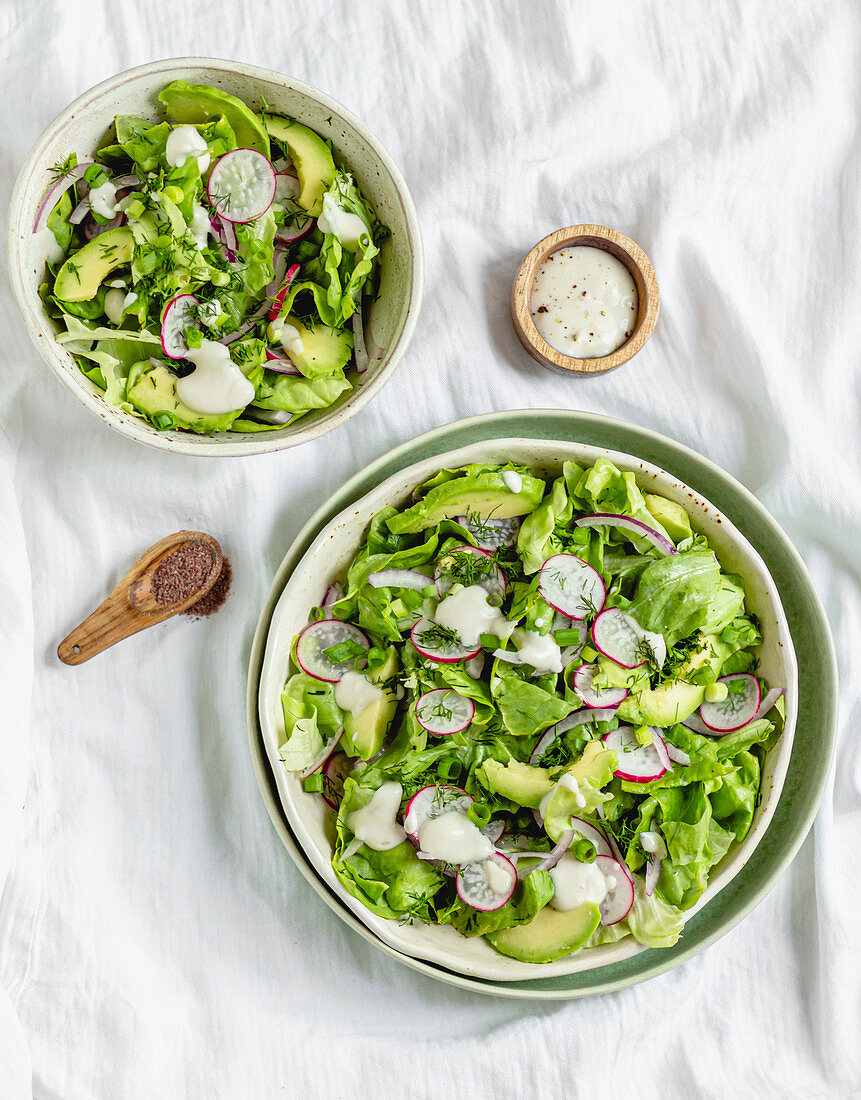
(178, 575)
(215, 597)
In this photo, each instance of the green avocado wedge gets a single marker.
(312, 158)
(550, 934)
(197, 103)
(483, 494)
(80, 277)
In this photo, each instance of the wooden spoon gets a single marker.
(132, 606)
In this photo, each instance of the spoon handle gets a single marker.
(132, 605)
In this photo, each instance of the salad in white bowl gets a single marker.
(207, 269)
(534, 710)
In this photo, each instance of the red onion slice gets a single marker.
(679, 756)
(634, 526)
(653, 873)
(57, 191)
(400, 578)
(280, 363)
(332, 594)
(360, 352)
(554, 855)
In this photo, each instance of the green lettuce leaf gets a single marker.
(311, 718)
(674, 594)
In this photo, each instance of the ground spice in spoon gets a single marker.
(181, 572)
(215, 597)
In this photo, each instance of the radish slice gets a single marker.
(487, 575)
(241, 185)
(93, 229)
(578, 718)
(175, 319)
(335, 771)
(323, 755)
(493, 830)
(289, 233)
(695, 723)
(621, 638)
(590, 833)
(487, 884)
(619, 898)
(431, 802)
(444, 711)
(633, 526)
(571, 586)
(289, 275)
(425, 636)
(491, 534)
(317, 638)
(739, 707)
(400, 578)
(287, 186)
(551, 858)
(608, 699)
(635, 762)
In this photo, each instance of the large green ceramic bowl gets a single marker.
(815, 730)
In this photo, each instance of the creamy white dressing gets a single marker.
(103, 200)
(216, 385)
(116, 303)
(453, 838)
(577, 882)
(376, 823)
(184, 142)
(584, 302)
(570, 783)
(355, 693)
(498, 878)
(346, 226)
(539, 650)
(653, 843)
(47, 247)
(290, 338)
(513, 480)
(469, 615)
(200, 226)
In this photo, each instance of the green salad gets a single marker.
(208, 269)
(533, 707)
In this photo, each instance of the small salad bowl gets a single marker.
(591, 236)
(390, 320)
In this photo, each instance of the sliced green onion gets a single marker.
(313, 783)
(567, 637)
(479, 813)
(585, 851)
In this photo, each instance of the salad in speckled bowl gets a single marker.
(537, 707)
(226, 261)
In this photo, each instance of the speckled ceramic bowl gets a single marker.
(390, 321)
(327, 558)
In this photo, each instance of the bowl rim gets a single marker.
(187, 444)
(625, 948)
(594, 236)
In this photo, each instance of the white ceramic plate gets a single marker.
(329, 556)
(390, 320)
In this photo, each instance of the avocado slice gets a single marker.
(312, 157)
(484, 494)
(677, 700)
(197, 103)
(364, 733)
(522, 783)
(550, 934)
(672, 517)
(152, 391)
(80, 277)
(325, 350)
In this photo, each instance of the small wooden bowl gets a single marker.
(618, 245)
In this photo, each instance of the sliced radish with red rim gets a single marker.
(482, 571)
(738, 708)
(241, 185)
(605, 699)
(175, 319)
(435, 644)
(444, 711)
(491, 534)
(335, 771)
(619, 898)
(487, 884)
(316, 639)
(634, 762)
(287, 186)
(621, 638)
(572, 586)
(431, 802)
(278, 301)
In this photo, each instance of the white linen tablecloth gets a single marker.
(155, 939)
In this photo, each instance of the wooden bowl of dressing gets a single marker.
(599, 310)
